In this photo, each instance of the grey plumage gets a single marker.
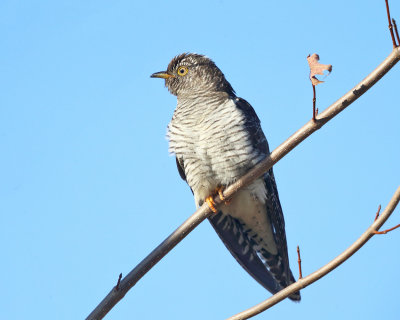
(217, 137)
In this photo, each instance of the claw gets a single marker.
(221, 195)
(211, 204)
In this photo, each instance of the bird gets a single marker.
(216, 138)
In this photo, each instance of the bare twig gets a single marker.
(304, 282)
(118, 282)
(316, 68)
(377, 213)
(299, 262)
(396, 31)
(314, 101)
(204, 211)
(387, 230)
(390, 24)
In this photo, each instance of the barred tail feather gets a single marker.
(277, 269)
(265, 268)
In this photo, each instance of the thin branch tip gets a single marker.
(395, 45)
(118, 282)
(299, 262)
(315, 109)
(377, 213)
(396, 32)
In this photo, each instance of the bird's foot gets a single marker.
(210, 199)
(221, 195)
(211, 204)
(220, 191)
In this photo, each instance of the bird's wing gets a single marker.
(273, 205)
(181, 168)
(270, 270)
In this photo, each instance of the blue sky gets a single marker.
(88, 189)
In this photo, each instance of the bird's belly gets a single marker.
(250, 210)
(209, 164)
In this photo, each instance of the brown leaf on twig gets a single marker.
(317, 68)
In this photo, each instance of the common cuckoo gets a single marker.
(216, 138)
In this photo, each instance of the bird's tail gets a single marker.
(284, 277)
(264, 267)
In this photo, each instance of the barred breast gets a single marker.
(212, 140)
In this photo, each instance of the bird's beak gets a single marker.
(162, 74)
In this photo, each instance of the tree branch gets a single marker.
(304, 282)
(114, 296)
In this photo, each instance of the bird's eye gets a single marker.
(182, 71)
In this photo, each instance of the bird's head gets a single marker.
(191, 74)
